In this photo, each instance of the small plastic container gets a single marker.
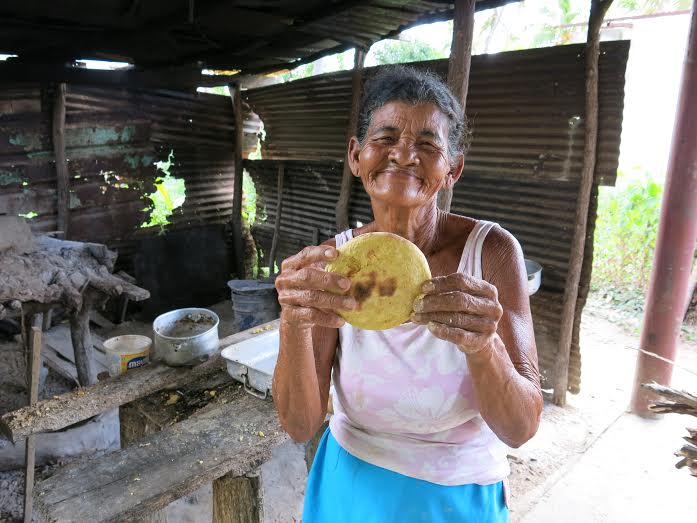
(127, 352)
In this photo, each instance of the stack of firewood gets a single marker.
(682, 403)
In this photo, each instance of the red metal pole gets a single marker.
(677, 233)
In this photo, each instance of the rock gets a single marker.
(15, 234)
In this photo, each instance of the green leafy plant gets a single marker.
(625, 238)
(170, 194)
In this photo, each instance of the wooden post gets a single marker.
(33, 347)
(277, 224)
(459, 68)
(342, 206)
(237, 500)
(82, 341)
(62, 177)
(573, 276)
(237, 242)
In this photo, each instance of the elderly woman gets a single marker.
(421, 411)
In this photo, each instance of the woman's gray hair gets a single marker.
(400, 83)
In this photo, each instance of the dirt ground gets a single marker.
(566, 435)
(568, 449)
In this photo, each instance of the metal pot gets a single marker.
(186, 336)
(534, 271)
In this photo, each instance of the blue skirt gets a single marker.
(344, 489)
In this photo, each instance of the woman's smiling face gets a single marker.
(404, 158)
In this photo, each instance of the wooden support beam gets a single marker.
(279, 212)
(62, 175)
(237, 241)
(185, 77)
(236, 499)
(459, 68)
(573, 276)
(82, 341)
(70, 408)
(33, 347)
(342, 206)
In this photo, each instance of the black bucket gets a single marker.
(253, 303)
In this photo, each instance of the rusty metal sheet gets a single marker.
(113, 138)
(534, 130)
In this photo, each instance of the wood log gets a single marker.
(232, 438)
(236, 219)
(573, 275)
(70, 408)
(342, 205)
(82, 341)
(62, 175)
(33, 348)
(236, 499)
(277, 223)
(459, 68)
(678, 396)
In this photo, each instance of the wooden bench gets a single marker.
(222, 442)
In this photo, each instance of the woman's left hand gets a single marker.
(460, 309)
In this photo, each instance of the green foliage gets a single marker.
(625, 237)
(170, 193)
(249, 200)
(403, 51)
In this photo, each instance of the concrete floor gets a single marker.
(592, 461)
(626, 476)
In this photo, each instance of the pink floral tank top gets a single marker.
(404, 399)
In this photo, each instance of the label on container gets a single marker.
(120, 363)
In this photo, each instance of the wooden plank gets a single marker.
(279, 212)
(70, 408)
(232, 438)
(342, 206)
(58, 339)
(573, 275)
(61, 365)
(459, 69)
(62, 175)
(34, 348)
(237, 240)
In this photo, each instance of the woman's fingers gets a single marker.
(309, 316)
(458, 302)
(468, 342)
(308, 256)
(463, 283)
(316, 299)
(457, 320)
(313, 278)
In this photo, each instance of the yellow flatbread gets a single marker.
(386, 273)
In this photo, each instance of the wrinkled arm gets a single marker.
(309, 297)
(505, 374)
(489, 320)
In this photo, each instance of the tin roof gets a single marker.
(251, 36)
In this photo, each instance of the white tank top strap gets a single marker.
(343, 237)
(471, 260)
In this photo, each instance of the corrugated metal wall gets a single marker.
(522, 171)
(113, 138)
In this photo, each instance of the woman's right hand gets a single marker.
(308, 294)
